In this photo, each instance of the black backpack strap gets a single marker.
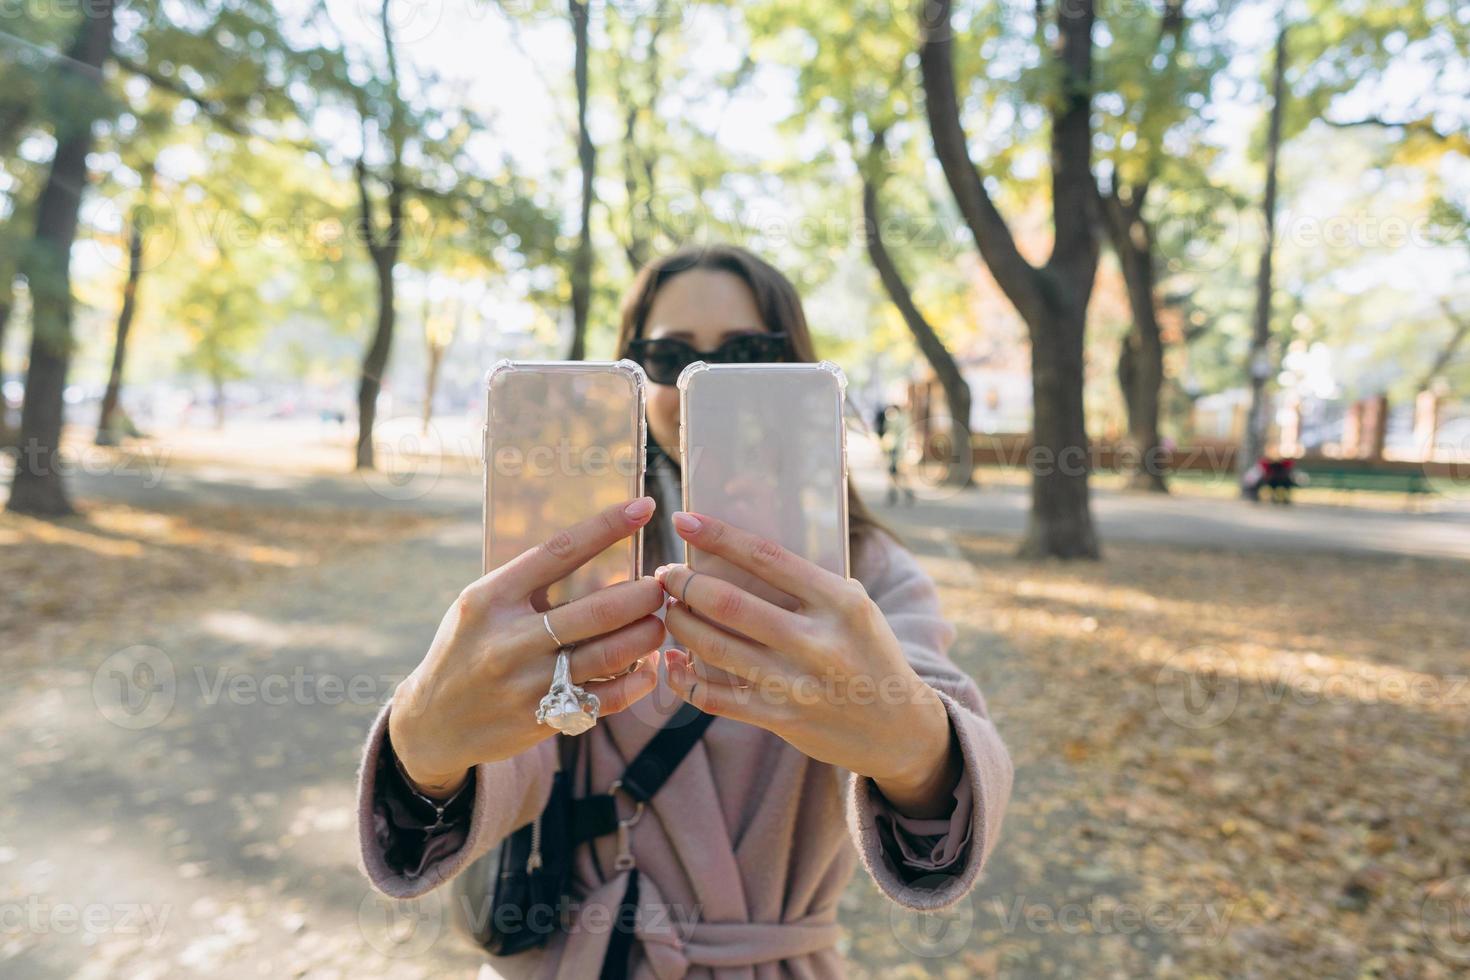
(596, 815)
(663, 753)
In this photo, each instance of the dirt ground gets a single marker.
(1227, 764)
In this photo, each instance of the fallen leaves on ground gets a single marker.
(114, 558)
(1227, 765)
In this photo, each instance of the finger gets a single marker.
(562, 554)
(610, 655)
(605, 610)
(621, 693)
(731, 606)
(761, 557)
(720, 648)
(722, 698)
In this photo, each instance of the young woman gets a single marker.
(841, 721)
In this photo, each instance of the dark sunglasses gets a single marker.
(664, 357)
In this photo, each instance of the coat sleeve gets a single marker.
(929, 864)
(507, 794)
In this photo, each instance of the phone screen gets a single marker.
(763, 447)
(563, 441)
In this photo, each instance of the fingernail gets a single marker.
(674, 659)
(660, 572)
(687, 523)
(639, 509)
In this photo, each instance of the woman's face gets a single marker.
(703, 308)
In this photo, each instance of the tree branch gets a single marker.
(1424, 126)
(1016, 277)
(216, 110)
(1073, 184)
(366, 224)
(1447, 352)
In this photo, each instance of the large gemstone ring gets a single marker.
(566, 707)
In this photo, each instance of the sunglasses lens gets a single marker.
(664, 359)
(752, 349)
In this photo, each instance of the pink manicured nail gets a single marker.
(639, 508)
(687, 523)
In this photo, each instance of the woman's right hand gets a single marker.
(473, 698)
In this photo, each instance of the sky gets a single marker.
(517, 70)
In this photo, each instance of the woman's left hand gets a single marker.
(828, 677)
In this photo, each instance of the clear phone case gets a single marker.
(764, 447)
(563, 441)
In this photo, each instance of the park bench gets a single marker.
(1373, 478)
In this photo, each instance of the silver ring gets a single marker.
(546, 621)
(566, 707)
(685, 591)
(612, 677)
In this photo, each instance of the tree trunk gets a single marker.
(383, 249)
(375, 361)
(436, 357)
(1259, 365)
(38, 487)
(108, 425)
(6, 301)
(636, 247)
(1060, 522)
(1051, 299)
(587, 160)
(217, 382)
(1141, 361)
(960, 461)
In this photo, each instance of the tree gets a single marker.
(1259, 365)
(25, 71)
(420, 163)
(77, 102)
(1158, 74)
(959, 461)
(381, 236)
(587, 162)
(855, 90)
(1051, 298)
(638, 81)
(220, 311)
(108, 424)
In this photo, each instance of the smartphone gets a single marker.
(564, 440)
(763, 447)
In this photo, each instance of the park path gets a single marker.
(450, 486)
(184, 777)
(201, 805)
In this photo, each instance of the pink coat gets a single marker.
(745, 851)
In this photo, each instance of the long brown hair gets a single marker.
(780, 309)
